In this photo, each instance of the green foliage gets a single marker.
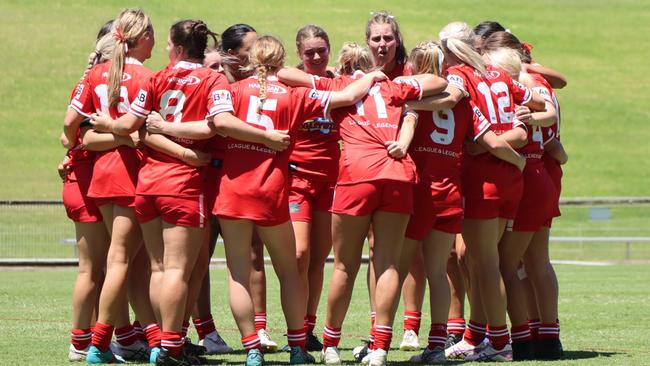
(601, 312)
(596, 44)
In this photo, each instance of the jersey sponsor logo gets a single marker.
(316, 94)
(270, 88)
(252, 147)
(141, 98)
(437, 150)
(493, 74)
(385, 125)
(80, 89)
(322, 125)
(455, 80)
(518, 84)
(477, 112)
(187, 80)
(221, 97)
(125, 76)
(542, 91)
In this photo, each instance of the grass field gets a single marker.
(597, 44)
(603, 311)
(45, 232)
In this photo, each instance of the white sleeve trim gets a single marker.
(78, 108)
(139, 111)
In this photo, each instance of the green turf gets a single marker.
(44, 231)
(603, 313)
(597, 44)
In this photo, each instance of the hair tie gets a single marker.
(118, 35)
(527, 47)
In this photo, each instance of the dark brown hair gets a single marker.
(192, 35)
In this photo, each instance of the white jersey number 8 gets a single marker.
(171, 104)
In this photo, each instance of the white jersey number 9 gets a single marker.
(444, 120)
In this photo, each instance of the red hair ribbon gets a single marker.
(527, 47)
(118, 35)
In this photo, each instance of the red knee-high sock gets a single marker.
(184, 328)
(310, 323)
(204, 326)
(173, 342)
(126, 335)
(533, 324)
(437, 336)
(297, 337)
(456, 326)
(331, 337)
(153, 334)
(383, 337)
(260, 321)
(498, 336)
(80, 338)
(412, 321)
(474, 333)
(371, 337)
(251, 341)
(521, 333)
(139, 331)
(549, 331)
(102, 334)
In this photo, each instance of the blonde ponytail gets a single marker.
(467, 54)
(458, 38)
(261, 78)
(127, 29)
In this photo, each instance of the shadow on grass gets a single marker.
(585, 354)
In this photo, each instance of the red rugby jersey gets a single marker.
(77, 155)
(181, 93)
(253, 174)
(115, 173)
(534, 149)
(439, 138)
(365, 128)
(548, 133)
(316, 149)
(495, 94)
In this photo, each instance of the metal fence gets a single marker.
(590, 229)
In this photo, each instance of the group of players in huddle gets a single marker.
(407, 150)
